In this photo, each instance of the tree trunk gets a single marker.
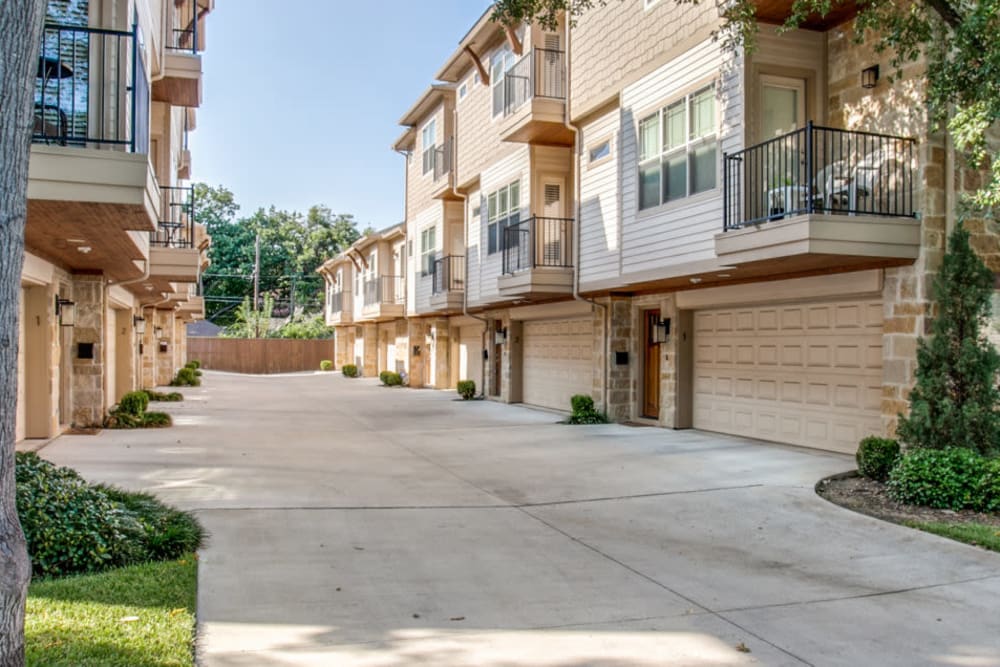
(20, 38)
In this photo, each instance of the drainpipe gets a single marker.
(577, 153)
(465, 235)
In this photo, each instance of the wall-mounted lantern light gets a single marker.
(500, 336)
(66, 312)
(869, 76)
(140, 324)
(660, 331)
(158, 332)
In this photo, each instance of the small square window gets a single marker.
(600, 151)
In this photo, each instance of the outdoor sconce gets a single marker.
(661, 331)
(66, 312)
(869, 76)
(158, 332)
(500, 336)
(140, 324)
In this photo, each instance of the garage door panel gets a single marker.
(557, 361)
(806, 374)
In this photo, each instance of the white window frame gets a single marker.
(505, 59)
(428, 144)
(463, 89)
(606, 142)
(687, 148)
(428, 249)
(503, 210)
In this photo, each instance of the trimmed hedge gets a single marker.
(940, 478)
(73, 527)
(172, 397)
(349, 370)
(390, 378)
(876, 457)
(584, 411)
(326, 365)
(186, 377)
(133, 403)
(467, 389)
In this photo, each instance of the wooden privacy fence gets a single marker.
(259, 355)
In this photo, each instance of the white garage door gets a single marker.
(803, 374)
(558, 361)
(470, 357)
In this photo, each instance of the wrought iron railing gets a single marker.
(184, 33)
(92, 89)
(540, 73)
(386, 290)
(818, 170)
(443, 159)
(538, 242)
(448, 274)
(176, 226)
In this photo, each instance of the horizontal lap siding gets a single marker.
(684, 230)
(600, 205)
(423, 285)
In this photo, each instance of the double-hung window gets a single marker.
(428, 247)
(428, 137)
(502, 61)
(503, 208)
(678, 149)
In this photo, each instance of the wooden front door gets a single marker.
(497, 360)
(651, 366)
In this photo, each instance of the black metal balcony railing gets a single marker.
(92, 89)
(336, 302)
(818, 170)
(448, 274)
(538, 242)
(184, 34)
(176, 227)
(443, 159)
(385, 290)
(540, 73)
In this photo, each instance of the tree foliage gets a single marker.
(954, 401)
(957, 37)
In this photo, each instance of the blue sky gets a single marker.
(302, 98)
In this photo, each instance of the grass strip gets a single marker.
(976, 534)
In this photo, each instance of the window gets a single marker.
(503, 209)
(678, 150)
(427, 144)
(463, 90)
(428, 246)
(501, 62)
(600, 151)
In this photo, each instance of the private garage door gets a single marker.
(804, 374)
(558, 361)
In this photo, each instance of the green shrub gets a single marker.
(989, 486)
(169, 532)
(326, 365)
(876, 456)
(172, 397)
(349, 370)
(70, 526)
(156, 420)
(197, 372)
(940, 478)
(467, 389)
(584, 411)
(186, 377)
(382, 376)
(390, 379)
(194, 363)
(133, 403)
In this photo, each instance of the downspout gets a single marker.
(465, 235)
(577, 158)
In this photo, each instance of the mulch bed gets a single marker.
(870, 497)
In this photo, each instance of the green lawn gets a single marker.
(90, 620)
(980, 535)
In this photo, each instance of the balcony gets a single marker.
(92, 195)
(537, 258)
(384, 298)
(823, 197)
(338, 309)
(534, 100)
(448, 283)
(444, 171)
(174, 256)
(180, 84)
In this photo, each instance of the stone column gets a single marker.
(88, 350)
(163, 346)
(442, 354)
(370, 361)
(417, 354)
(621, 395)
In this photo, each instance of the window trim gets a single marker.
(498, 224)
(503, 53)
(428, 231)
(427, 165)
(689, 146)
(607, 139)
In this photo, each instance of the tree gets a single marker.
(956, 36)
(251, 323)
(20, 40)
(954, 401)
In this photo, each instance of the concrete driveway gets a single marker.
(357, 525)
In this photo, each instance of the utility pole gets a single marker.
(256, 286)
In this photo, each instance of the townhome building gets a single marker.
(695, 236)
(366, 302)
(113, 254)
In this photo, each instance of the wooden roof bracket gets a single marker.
(354, 260)
(515, 43)
(483, 74)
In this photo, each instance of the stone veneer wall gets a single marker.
(417, 352)
(442, 353)
(370, 360)
(88, 374)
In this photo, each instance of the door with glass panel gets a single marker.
(782, 113)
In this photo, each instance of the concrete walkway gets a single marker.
(357, 525)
